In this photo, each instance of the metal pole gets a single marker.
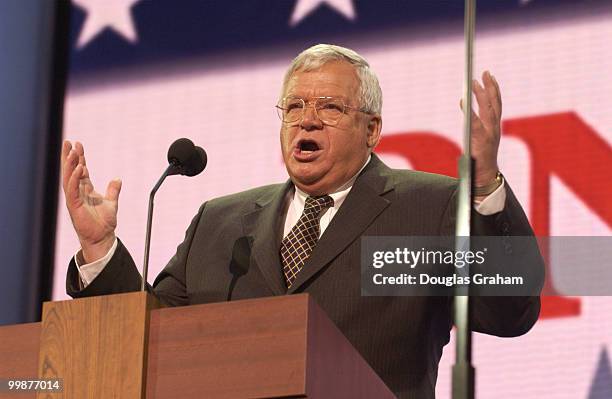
(463, 372)
(145, 263)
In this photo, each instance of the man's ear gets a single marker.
(374, 128)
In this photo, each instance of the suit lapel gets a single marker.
(265, 226)
(362, 205)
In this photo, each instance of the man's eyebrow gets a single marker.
(312, 97)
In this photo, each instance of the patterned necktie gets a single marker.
(303, 237)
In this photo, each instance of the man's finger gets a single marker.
(81, 151)
(66, 147)
(485, 108)
(72, 188)
(476, 122)
(499, 96)
(113, 190)
(86, 172)
(85, 182)
(475, 119)
(492, 92)
(496, 83)
(72, 160)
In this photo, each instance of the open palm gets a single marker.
(486, 128)
(93, 215)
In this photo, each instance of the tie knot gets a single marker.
(317, 204)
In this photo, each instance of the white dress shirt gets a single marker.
(298, 202)
(493, 203)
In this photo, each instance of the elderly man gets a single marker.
(304, 235)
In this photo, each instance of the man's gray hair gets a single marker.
(315, 57)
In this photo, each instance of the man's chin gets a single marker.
(311, 177)
(302, 179)
(306, 180)
(305, 171)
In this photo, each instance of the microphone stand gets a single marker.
(463, 372)
(170, 170)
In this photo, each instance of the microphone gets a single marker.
(184, 158)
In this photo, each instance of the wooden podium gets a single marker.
(126, 346)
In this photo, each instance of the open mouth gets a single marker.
(307, 146)
(307, 150)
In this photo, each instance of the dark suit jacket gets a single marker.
(233, 245)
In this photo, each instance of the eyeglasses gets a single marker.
(328, 109)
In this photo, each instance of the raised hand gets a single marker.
(93, 215)
(486, 128)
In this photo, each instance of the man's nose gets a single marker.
(310, 120)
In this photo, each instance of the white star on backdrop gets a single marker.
(305, 7)
(114, 14)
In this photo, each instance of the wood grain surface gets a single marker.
(19, 354)
(277, 347)
(244, 349)
(96, 345)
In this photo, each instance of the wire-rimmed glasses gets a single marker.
(328, 109)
